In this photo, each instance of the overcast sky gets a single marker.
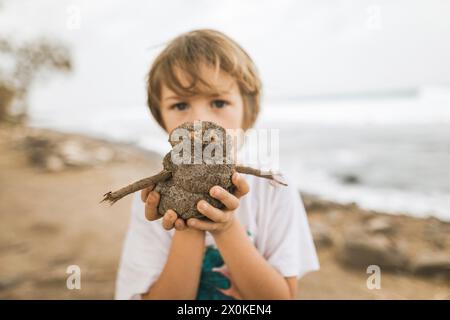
(301, 48)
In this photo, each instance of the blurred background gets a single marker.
(360, 91)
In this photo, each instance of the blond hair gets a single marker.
(187, 52)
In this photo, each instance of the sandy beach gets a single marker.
(51, 218)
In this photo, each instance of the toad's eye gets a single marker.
(179, 106)
(219, 104)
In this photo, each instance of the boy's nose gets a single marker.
(201, 111)
(205, 118)
(201, 115)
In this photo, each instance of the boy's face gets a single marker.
(226, 109)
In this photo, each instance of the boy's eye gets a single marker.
(179, 106)
(219, 103)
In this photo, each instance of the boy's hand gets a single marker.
(170, 218)
(223, 219)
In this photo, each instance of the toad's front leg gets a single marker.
(112, 197)
(258, 173)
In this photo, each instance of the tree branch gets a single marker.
(112, 197)
(258, 173)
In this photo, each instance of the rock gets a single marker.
(103, 154)
(437, 233)
(380, 225)
(74, 154)
(360, 249)
(54, 163)
(335, 215)
(321, 234)
(432, 263)
(350, 179)
(56, 152)
(308, 202)
(38, 149)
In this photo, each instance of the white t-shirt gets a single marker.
(275, 220)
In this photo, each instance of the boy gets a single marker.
(260, 244)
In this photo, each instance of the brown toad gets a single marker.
(202, 159)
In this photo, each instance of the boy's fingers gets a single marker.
(179, 224)
(145, 192)
(151, 206)
(242, 186)
(212, 212)
(202, 225)
(229, 200)
(169, 219)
